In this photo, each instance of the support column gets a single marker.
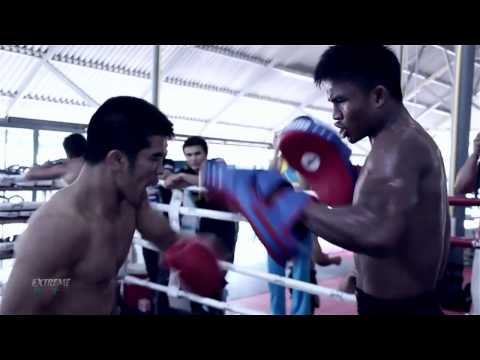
(156, 76)
(462, 104)
(35, 157)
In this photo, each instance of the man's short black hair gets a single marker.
(124, 123)
(75, 146)
(196, 141)
(365, 65)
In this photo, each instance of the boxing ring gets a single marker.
(176, 209)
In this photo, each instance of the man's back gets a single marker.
(415, 267)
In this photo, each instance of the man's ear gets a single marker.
(116, 160)
(379, 94)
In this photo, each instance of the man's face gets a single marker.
(145, 170)
(352, 110)
(195, 156)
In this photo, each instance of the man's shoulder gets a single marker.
(410, 154)
(54, 222)
(58, 214)
(51, 230)
(404, 143)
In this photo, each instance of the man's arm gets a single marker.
(47, 171)
(466, 177)
(48, 249)
(465, 181)
(180, 181)
(154, 226)
(376, 222)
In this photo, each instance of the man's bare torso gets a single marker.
(417, 265)
(104, 246)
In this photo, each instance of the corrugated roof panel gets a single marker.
(4, 102)
(304, 57)
(48, 84)
(169, 57)
(265, 52)
(198, 65)
(102, 85)
(143, 59)
(13, 69)
(43, 110)
(128, 56)
(254, 112)
(186, 127)
(239, 133)
(284, 86)
(191, 102)
(33, 50)
(193, 67)
(300, 57)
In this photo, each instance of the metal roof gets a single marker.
(234, 91)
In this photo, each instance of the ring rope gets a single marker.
(177, 293)
(275, 279)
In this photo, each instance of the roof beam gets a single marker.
(426, 82)
(37, 124)
(450, 69)
(431, 108)
(67, 81)
(415, 59)
(450, 52)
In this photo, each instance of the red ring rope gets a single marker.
(462, 242)
(462, 201)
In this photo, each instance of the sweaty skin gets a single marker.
(398, 224)
(84, 234)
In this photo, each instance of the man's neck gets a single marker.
(95, 190)
(394, 116)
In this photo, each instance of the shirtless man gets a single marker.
(68, 169)
(466, 180)
(82, 235)
(398, 224)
